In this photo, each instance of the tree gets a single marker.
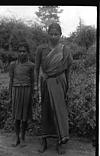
(84, 36)
(12, 31)
(48, 14)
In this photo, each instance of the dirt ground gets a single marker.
(75, 147)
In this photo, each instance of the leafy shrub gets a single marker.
(78, 52)
(91, 56)
(34, 125)
(82, 100)
(6, 58)
(3, 106)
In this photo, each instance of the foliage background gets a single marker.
(82, 82)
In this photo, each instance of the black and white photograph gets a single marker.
(48, 80)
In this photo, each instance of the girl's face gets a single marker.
(54, 35)
(22, 53)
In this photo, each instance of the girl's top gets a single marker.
(21, 74)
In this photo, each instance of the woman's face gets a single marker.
(54, 35)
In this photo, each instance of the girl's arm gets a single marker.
(11, 75)
(32, 78)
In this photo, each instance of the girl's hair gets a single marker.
(56, 26)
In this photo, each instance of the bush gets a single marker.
(3, 106)
(6, 58)
(82, 100)
(78, 52)
(91, 57)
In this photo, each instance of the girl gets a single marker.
(21, 87)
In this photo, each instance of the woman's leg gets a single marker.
(43, 146)
(60, 149)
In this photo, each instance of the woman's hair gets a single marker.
(25, 45)
(55, 26)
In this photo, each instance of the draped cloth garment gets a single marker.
(54, 86)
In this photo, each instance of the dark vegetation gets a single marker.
(82, 91)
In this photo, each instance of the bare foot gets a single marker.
(60, 149)
(23, 143)
(43, 146)
(16, 144)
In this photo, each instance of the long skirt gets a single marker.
(54, 114)
(21, 103)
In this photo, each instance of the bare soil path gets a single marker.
(75, 147)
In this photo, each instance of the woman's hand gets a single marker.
(36, 95)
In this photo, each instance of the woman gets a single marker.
(54, 59)
(21, 86)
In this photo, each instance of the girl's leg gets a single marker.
(17, 131)
(23, 131)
